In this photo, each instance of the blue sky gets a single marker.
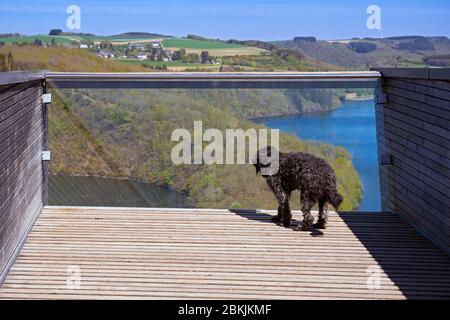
(240, 19)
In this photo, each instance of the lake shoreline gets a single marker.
(347, 100)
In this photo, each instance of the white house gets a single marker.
(83, 46)
(105, 54)
(142, 56)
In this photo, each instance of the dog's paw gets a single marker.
(286, 223)
(320, 225)
(303, 227)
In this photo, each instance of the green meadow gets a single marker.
(43, 38)
(197, 44)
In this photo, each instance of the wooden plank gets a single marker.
(10, 91)
(154, 253)
(426, 135)
(18, 188)
(438, 179)
(440, 74)
(435, 213)
(405, 207)
(436, 120)
(20, 126)
(442, 85)
(410, 73)
(12, 233)
(427, 144)
(409, 175)
(20, 173)
(428, 100)
(15, 204)
(415, 86)
(18, 156)
(424, 229)
(421, 108)
(425, 154)
(7, 106)
(12, 157)
(23, 107)
(442, 134)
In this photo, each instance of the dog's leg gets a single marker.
(283, 200)
(277, 218)
(287, 216)
(323, 216)
(308, 219)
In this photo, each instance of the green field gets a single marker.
(65, 39)
(197, 44)
(43, 38)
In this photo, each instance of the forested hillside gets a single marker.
(132, 131)
(406, 51)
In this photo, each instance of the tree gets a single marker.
(6, 62)
(204, 57)
(179, 54)
(10, 61)
(191, 57)
(37, 42)
(55, 32)
(2, 63)
(105, 45)
(362, 47)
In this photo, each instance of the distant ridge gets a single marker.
(136, 34)
(361, 53)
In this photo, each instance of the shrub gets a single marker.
(362, 47)
(416, 44)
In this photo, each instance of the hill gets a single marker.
(133, 129)
(405, 51)
(137, 35)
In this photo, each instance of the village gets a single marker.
(150, 50)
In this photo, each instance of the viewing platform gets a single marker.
(151, 253)
(141, 253)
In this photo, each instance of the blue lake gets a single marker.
(351, 126)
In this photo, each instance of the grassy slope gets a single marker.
(63, 59)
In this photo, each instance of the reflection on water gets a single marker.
(351, 126)
(109, 192)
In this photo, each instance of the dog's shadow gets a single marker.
(263, 217)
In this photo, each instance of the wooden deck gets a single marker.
(217, 254)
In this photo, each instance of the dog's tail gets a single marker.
(335, 198)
